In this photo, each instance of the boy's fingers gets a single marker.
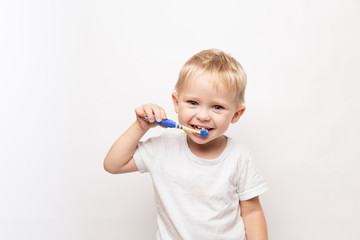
(149, 113)
(139, 111)
(163, 114)
(152, 112)
(158, 114)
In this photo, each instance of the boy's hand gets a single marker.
(120, 158)
(151, 111)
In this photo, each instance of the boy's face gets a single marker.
(202, 105)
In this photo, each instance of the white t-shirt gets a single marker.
(198, 198)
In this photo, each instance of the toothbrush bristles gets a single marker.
(204, 132)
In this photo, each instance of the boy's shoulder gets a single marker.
(239, 146)
(240, 153)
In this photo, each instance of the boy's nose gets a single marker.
(203, 115)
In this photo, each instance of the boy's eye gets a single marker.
(192, 103)
(217, 107)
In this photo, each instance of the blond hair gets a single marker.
(221, 67)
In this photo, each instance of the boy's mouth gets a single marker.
(200, 128)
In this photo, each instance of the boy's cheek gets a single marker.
(185, 111)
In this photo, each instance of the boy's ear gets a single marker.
(238, 114)
(175, 99)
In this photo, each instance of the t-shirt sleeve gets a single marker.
(146, 153)
(251, 180)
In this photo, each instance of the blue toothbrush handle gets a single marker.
(166, 123)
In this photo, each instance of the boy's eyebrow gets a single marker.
(212, 101)
(192, 96)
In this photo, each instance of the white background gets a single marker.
(72, 72)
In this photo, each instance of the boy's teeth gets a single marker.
(199, 128)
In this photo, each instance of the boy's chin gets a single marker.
(212, 138)
(196, 138)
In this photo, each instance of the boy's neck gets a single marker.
(210, 150)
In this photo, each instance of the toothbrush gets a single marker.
(172, 124)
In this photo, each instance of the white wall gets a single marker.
(72, 73)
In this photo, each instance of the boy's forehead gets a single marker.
(203, 83)
(207, 79)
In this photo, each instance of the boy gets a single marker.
(205, 187)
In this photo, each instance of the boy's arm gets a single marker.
(254, 219)
(120, 159)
